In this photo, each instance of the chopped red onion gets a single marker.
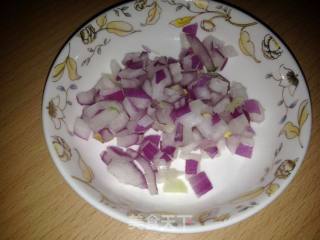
(191, 166)
(215, 118)
(219, 86)
(200, 183)
(238, 124)
(149, 150)
(106, 135)
(135, 93)
(116, 152)
(155, 139)
(188, 77)
(179, 133)
(127, 173)
(131, 73)
(119, 122)
(190, 105)
(160, 75)
(218, 59)
(232, 143)
(131, 110)
(176, 113)
(169, 150)
(237, 90)
(128, 140)
(199, 49)
(86, 98)
(166, 157)
(102, 119)
(134, 65)
(149, 175)
(114, 94)
(191, 29)
(175, 70)
(131, 83)
(254, 110)
(252, 106)
(221, 105)
(105, 82)
(133, 153)
(105, 157)
(244, 150)
(211, 151)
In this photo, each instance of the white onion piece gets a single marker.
(102, 119)
(168, 139)
(106, 135)
(218, 86)
(218, 59)
(232, 143)
(105, 82)
(115, 68)
(190, 119)
(81, 129)
(86, 98)
(119, 122)
(131, 73)
(127, 140)
(206, 128)
(200, 50)
(238, 90)
(130, 83)
(211, 42)
(202, 93)
(219, 130)
(131, 110)
(162, 113)
(149, 175)
(239, 124)
(140, 103)
(184, 42)
(175, 70)
(248, 132)
(187, 136)
(221, 105)
(189, 148)
(185, 155)
(147, 87)
(198, 107)
(188, 77)
(133, 153)
(127, 173)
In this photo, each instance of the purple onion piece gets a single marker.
(176, 113)
(244, 150)
(191, 29)
(200, 183)
(191, 166)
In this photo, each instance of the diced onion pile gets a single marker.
(185, 101)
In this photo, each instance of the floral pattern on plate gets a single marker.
(136, 17)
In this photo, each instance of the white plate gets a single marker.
(242, 187)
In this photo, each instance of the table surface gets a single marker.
(36, 203)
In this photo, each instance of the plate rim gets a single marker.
(107, 210)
